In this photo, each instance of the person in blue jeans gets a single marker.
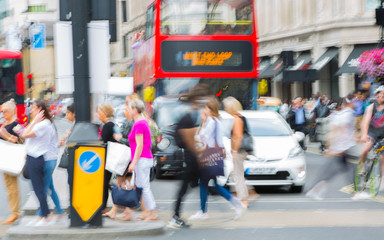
(50, 158)
(38, 138)
(50, 165)
(210, 136)
(49, 188)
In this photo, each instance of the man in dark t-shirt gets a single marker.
(184, 136)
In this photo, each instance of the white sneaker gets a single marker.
(32, 222)
(199, 215)
(361, 196)
(43, 223)
(239, 209)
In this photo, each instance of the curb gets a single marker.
(111, 229)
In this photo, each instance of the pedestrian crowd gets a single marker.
(338, 125)
(139, 133)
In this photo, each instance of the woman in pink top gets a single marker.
(142, 159)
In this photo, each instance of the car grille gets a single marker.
(282, 175)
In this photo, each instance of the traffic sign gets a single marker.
(88, 181)
(37, 35)
(89, 162)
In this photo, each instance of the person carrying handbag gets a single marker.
(211, 136)
(233, 106)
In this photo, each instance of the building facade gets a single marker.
(329, 31)
(130, 23)
(30, 25)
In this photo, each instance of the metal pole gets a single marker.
(80, 18)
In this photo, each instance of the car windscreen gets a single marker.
(259, 127)
(169, 113)
(267, 127)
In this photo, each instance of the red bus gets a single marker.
(187, 42)
(12, 81)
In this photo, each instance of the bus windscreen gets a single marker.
(206, 17)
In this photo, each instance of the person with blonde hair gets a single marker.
(141, 157)
(11, 182)
(233, 106)
(211, 135)
(105, 115)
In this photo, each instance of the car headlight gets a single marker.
(295, 152)
(163, 144)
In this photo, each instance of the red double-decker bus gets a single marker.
(12, 80)
(187, 42)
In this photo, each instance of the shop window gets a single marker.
(37, 8)
(125, 47)
(124, 9)
(149, 25)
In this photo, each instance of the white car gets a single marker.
(277, 159)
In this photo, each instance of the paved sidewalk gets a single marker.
(111, 228)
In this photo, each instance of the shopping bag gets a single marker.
(211, 163)
(12, 157)
(127, 197)
(118, 158)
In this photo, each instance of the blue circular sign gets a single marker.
(89, 162)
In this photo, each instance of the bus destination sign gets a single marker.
(206, 56)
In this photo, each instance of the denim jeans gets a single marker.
(35, 168)
(204, 193)
(50, 166)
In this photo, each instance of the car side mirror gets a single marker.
(299, 136)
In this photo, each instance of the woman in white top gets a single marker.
(38, 137)
(211, 134)
(50, 165)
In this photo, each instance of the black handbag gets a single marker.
(126, 197)
(247, 142)
(64, 160)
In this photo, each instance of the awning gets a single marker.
(302, 62)
(264, 64)
(350, 65)
(306, 75)
(273, 70)
(300, 72)
(325, 58)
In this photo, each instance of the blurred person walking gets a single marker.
(233, 106)
(11, 182)
(37, 135)
(142, 158)
(340, 139)
(211, 136)
(296, 118)
(372, 128)
(185, 138)
(50, 166)
(105, 114)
